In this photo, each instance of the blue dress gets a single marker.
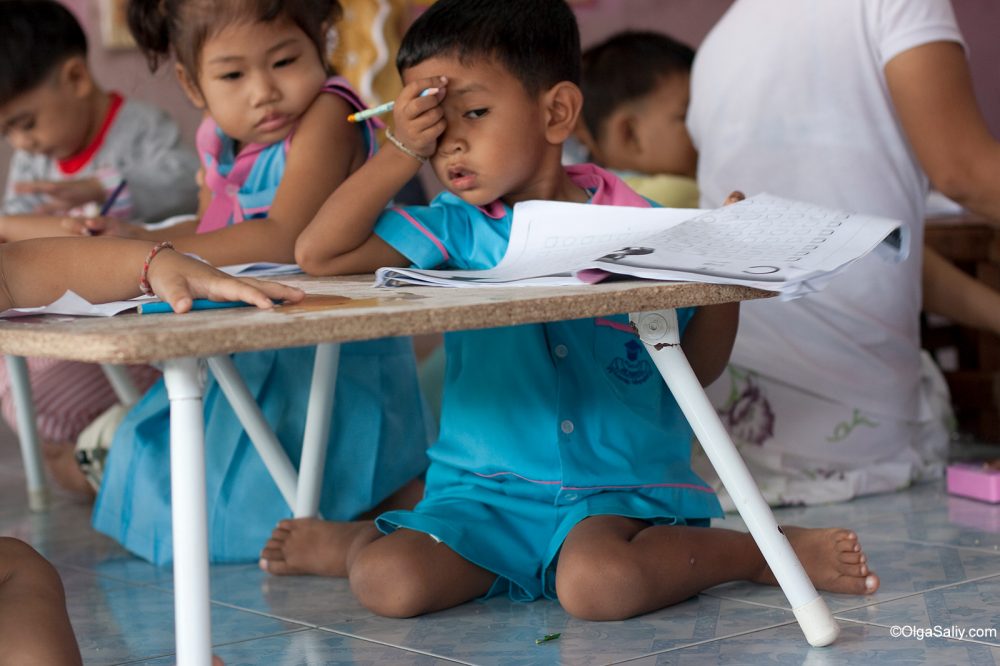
(542, 425)
(377, 442)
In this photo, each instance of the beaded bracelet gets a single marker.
(144, 285)
(402, 146)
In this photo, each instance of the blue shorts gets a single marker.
(515, 528)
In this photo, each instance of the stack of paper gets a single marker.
(767, 242)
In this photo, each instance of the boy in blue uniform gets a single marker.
(563, 463)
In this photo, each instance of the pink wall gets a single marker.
(688, 20)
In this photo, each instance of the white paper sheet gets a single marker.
(72, 303)
(767, 242)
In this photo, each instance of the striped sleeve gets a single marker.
(429, 236)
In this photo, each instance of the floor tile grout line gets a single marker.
(947, 638)
(978, 549)
(703, 642)
(214, 646)
(906, 595)
(393, 645)
(259, 613)
(936, 588)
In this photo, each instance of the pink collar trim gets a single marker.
(604, 187)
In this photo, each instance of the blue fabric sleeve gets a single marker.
(434, 236)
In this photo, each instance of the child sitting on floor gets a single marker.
(275, 143)
(74, 144)
(553, 475)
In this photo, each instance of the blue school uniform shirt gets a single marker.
(574, 407)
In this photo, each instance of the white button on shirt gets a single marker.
(567, 426)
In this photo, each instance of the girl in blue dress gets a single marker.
(274, 144)
(563, 467)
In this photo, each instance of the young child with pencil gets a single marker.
(553, 475)
(275, 142)
(74, 145)
(75, 142)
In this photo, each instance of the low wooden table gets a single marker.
(347, 309)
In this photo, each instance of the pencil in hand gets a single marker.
(361, 116)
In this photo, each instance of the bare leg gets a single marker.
(34, 625)
(60, 459)
(320, 547)
(612, 568)
(408, 573)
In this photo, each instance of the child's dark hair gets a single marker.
(537, 41)
(180, 27)
(627, 67)
(36, 36)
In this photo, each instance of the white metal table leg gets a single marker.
(659, 333)
(252, 419)
(318, 415)
(27, 433)
(192, 612)
(122, 384)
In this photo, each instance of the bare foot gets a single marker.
(60, 459)
(832, 558)
(311, 546)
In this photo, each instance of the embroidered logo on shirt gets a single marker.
(632, 369)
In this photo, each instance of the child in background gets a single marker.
(74, 143)
(275, 143)
(636, 92)
(553, 475)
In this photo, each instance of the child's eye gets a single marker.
(285, 62)
(476, 113)
(25, 125)
(231, 76)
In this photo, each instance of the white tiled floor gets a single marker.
(938, 557)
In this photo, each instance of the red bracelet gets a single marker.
(144, 277)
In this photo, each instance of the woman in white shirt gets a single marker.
(852, 104)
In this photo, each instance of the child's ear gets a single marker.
(620, 141)
(75, 75)
(563, 103)
(189, 86)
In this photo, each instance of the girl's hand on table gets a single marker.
(178, 279)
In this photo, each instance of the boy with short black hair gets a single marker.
(74, 141)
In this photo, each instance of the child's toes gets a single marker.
(277, 567)
(846, 540)
(851, 557)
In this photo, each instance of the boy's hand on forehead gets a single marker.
(418, 116)
(63, 194)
